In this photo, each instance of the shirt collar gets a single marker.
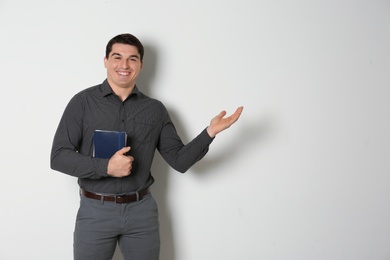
(107, 90)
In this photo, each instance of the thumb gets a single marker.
(222, 114)
(124, 150)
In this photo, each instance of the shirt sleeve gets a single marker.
(179, 156)
(65, 156)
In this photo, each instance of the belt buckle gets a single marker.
(119, 197)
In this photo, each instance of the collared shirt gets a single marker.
(147, 124)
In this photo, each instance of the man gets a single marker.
(116, 205)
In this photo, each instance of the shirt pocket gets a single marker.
(144, 132)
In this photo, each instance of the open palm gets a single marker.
(220, 123)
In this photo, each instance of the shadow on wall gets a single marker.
(259, 129)
(254, 134)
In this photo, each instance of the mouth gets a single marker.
(123, 73)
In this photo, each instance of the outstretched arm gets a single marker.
(220, 123)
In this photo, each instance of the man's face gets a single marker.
(123, 66)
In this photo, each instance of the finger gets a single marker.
(234, 117)
(238, 112)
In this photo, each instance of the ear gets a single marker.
(105, 62)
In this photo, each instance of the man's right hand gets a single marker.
(120, 164)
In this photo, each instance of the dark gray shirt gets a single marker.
(147, 124)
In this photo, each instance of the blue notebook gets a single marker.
(107, 143)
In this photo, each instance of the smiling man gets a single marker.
(116, 205)
(123, 66)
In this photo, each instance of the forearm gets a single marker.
(181, 157)
(75, 164)
(71, 149)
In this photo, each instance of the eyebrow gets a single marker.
(118, 54)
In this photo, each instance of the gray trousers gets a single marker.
(101, 225)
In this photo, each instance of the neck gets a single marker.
(122, 91)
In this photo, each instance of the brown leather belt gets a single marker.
(116, 198)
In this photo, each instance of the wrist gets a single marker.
(211, 133)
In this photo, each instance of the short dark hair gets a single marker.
(126, 38)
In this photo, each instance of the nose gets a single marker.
(124, 64)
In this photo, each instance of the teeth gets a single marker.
(123, 73)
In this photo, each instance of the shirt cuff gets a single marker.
(101, 167)
(205, 137)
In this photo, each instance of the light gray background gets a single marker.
(304, 174)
